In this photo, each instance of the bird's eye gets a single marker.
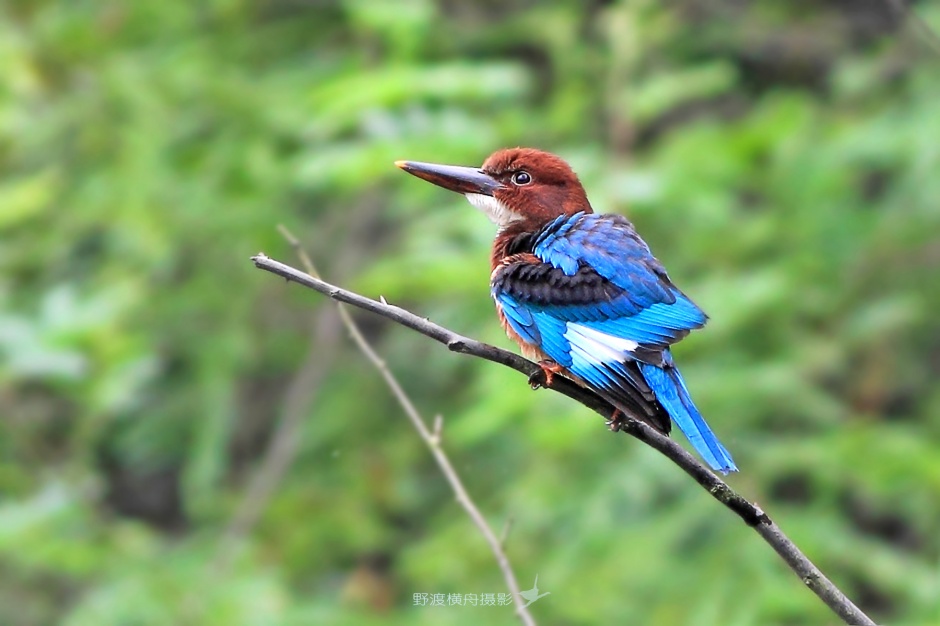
(521, 178)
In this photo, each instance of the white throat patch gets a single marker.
(499, 213)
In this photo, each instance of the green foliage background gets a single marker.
(781, 158)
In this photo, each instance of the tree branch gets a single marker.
(750, 513)
(432, 438)
(282, 447)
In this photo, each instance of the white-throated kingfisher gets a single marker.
(580, 292)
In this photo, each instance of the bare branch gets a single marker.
(432, 438)
(752, 515)
(282, 447)
(923, 29)
(438, 427)
(504, 536)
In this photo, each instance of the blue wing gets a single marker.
(595, 271)
(590, 294)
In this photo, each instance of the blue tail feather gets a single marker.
(672, 393)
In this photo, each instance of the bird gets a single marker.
(581, 293)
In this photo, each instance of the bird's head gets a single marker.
(516, 187)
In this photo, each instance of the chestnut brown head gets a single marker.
(516, 186)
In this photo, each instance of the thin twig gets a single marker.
(438, 426)
(282, 447)
(752, 515)
(504, 536)
(431, 437)
(923, 29)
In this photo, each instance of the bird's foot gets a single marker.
(545, 376)
(617, 421)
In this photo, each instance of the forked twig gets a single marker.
(432, 438)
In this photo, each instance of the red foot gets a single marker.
(616, 421)
(547, 375)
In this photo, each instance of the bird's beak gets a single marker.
(453, 177)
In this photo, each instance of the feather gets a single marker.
(671, 391)
(588, 293)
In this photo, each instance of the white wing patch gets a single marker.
(596, 348)
(498, 212)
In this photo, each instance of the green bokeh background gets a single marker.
(781, 158)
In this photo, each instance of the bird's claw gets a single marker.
(616, 421)
(537, 380)
(545, 375)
